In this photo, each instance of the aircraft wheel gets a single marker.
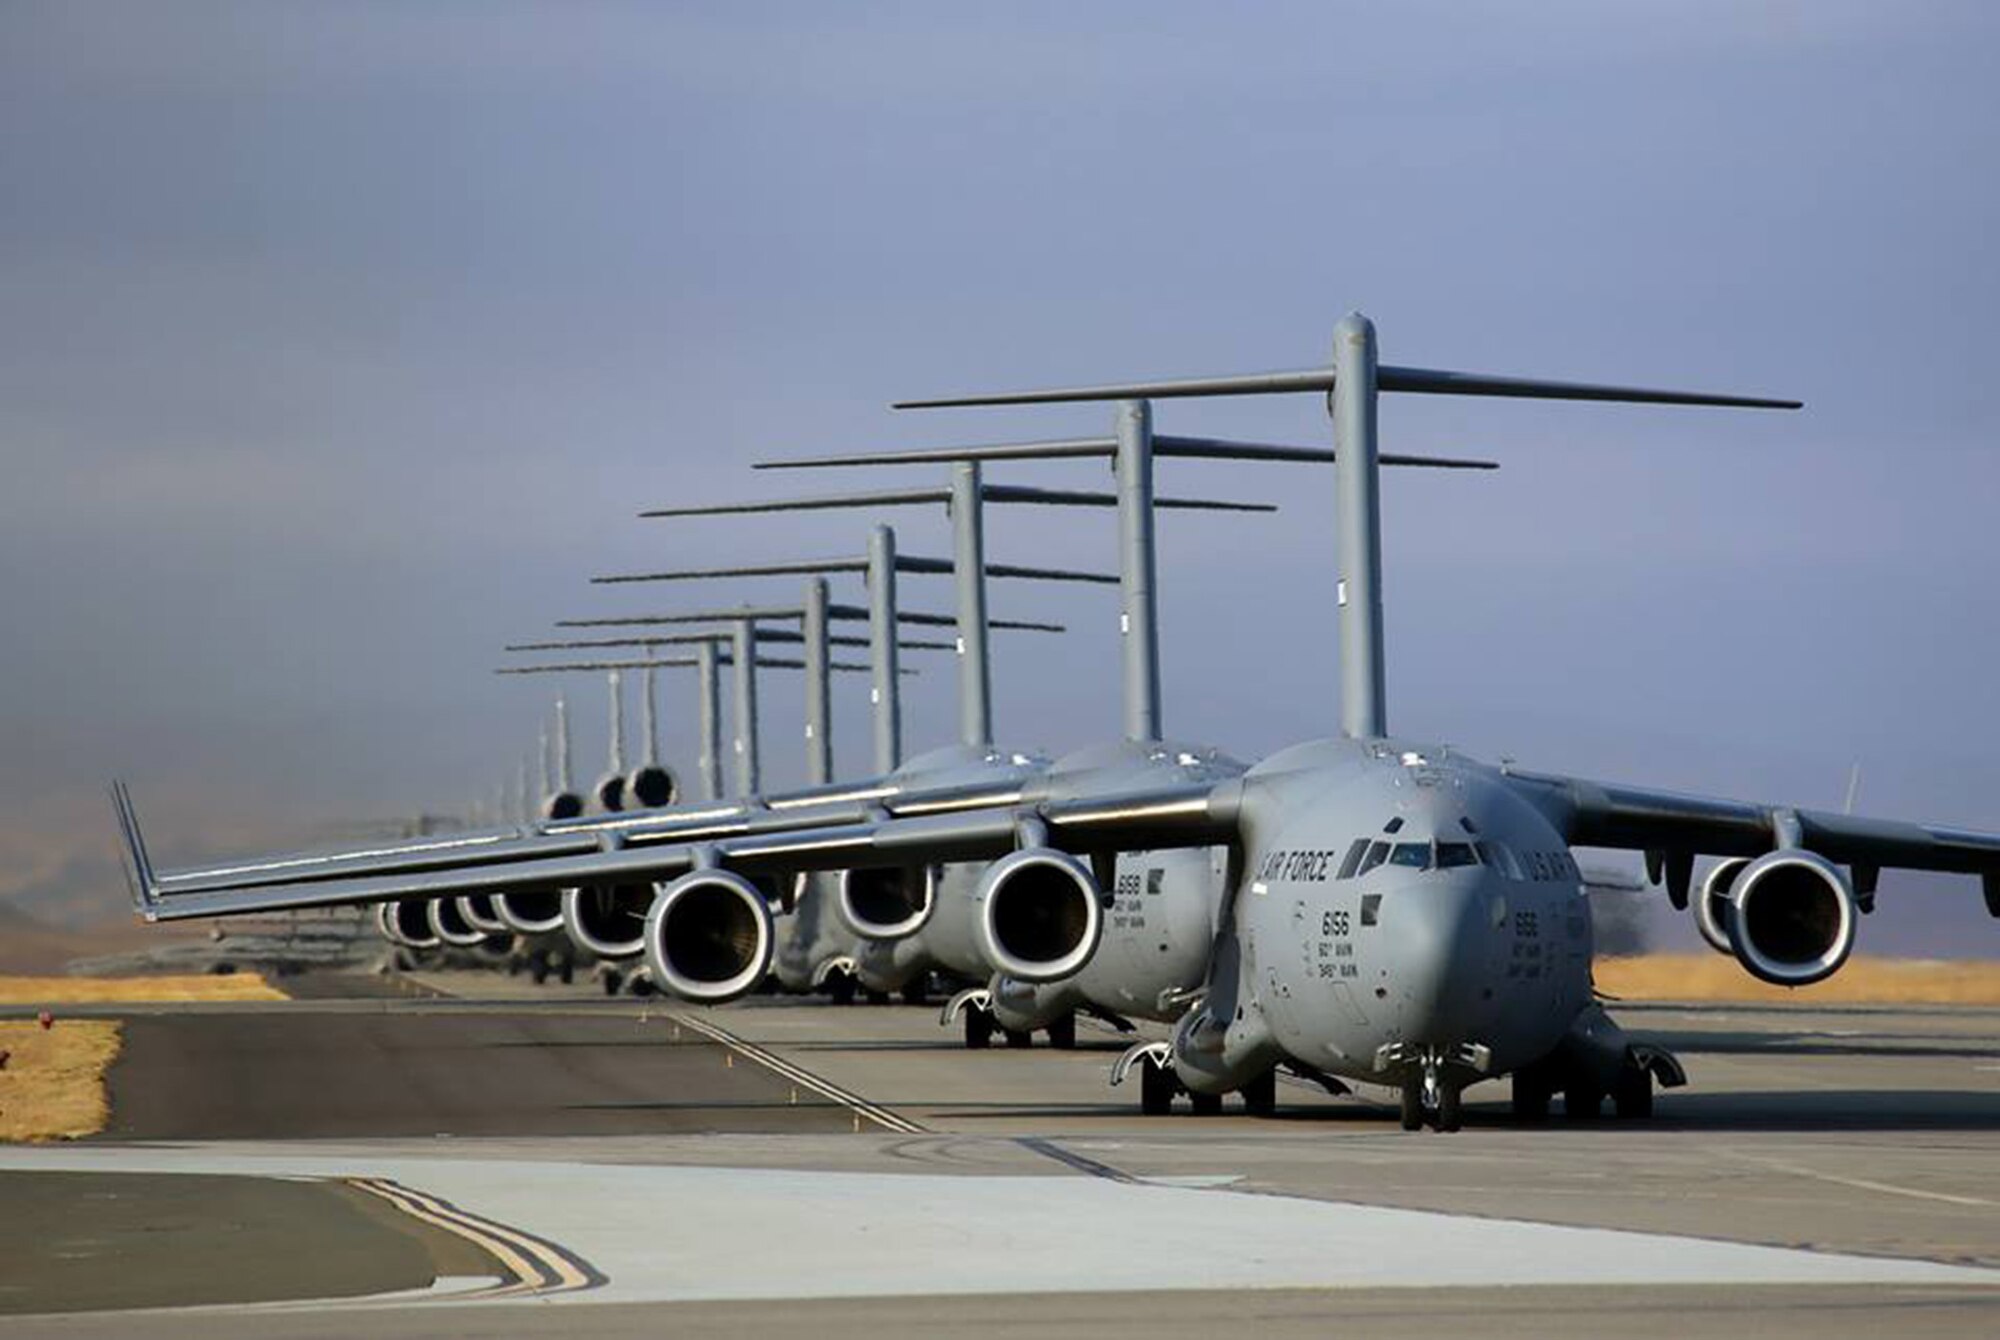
(1018, 1039)
(513, 965)
(567, 972)
(1062, 1033)
(641, 985)
(878, 997)
(1206, 1104)
(1451, 1108)
(978, 1029)
(613, 979)
(1633, 1098)
(840, 988)
(1413, 1103)
(538, 969)
(1582, 1101)
(1531, 1096)
(1156, 1089)
(917, 992)
(1260, 1095)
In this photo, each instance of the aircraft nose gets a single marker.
(1441, 934)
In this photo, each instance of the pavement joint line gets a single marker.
(854, 1102)
(1864, 1184)
(540, 1267)
(1049, 1149)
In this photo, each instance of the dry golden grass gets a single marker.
(52, 1087)
(135, 990)
(1864, 981)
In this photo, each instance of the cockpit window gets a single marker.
(1451, 855)
(1414, 855)
(1377, 853)
(1352, 861)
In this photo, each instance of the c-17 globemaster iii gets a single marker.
(1397, 912)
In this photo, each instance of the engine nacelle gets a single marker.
(563, 805)
(448, 924)
(887, 902)
(1792, 918)
(610, 792)
(652, 787)
(1041, 915)
(609, 919)
(531, 913)
(479, 912)
(709, 937)
(1712, 908)
(406, 923)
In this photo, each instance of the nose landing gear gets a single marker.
(1434, 1080)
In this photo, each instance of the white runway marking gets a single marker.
(667, 1233)
(1863, 1184)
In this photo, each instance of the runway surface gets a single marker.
(851, 1169)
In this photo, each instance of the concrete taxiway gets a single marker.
(775, 1165)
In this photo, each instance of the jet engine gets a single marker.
(1791, 918)
(887, 902)
(1712, 908)
(709, 937)
(480, 913)
(563, 805)
(1041, 914)
(610, 792)
(448, 924)
(652, 787)
(536, 913)
(406, 923)
(609, 919)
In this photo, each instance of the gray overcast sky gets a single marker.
(339, 343)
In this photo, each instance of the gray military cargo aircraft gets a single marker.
(1397, 912)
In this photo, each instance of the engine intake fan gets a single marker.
(531, 913)
(1792, 918)
(448, 923)
(609, 920)
(406, 923)
(709, 937)
(652, 787)
(1041, 914)
(887, 902)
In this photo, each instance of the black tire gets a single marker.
(1633, 1098)
(1018, 1039)
(840, 988)
(917, 992)
(1156, 1089)
(568, 972)
(1206, 1104)
(612, 981)
(978, 1028)
(1451, 1108)
(539, 970)
(1412, 1106)
(1260, 1095)
(1531, 1096)
(642, 986)
(1062, 1033)
(878, 997)
(1582, 1101)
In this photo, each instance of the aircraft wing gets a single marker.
(1603, 814)
(579, 837)
(1185, 816)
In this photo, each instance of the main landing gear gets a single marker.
(1429, 1097)
(1583, 1093)
(1159, 1085)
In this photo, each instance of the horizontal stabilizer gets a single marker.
(992, 493)
(763, 663)
(1208, 448)
(1422, 381)
(921, 620)
(904, 563)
